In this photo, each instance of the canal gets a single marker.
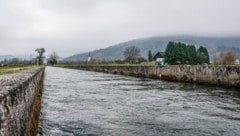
(87, 103)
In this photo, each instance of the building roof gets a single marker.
(159, 55)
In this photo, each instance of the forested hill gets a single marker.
(2, 57)
(215, 45)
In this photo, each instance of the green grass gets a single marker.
(13, 69)
(145, 64)
(224, 65)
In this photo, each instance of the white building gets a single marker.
(237, 62)
(89, 58)
(159, 58)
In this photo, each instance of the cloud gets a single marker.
(74, 26)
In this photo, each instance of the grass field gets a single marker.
(13, 69)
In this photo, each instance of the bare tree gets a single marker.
(131, 53)
(216, 59)
(52, 60)
(40, 56)
(228, 58)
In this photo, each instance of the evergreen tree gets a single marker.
(192, 54)
(180, 53)
(203, 56)
(150, 57)
(207, 59)
(184, 57)
(169, 53)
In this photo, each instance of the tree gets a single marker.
(192, 54)
(131, 53)
(203, 56)
(40, 56)
(169, 54)
(52, 60)
(14, 61)
(228, 58)
(177, 53)
(150, 57)
(216, 59)
(180, 53)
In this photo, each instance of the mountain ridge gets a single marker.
(22, 57)
(215, 45)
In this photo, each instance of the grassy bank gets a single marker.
(134, 65)
(112, 64)
(220, 75)
(13, 69)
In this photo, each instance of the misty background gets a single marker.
(76, 26)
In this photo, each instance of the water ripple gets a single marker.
(83, 103)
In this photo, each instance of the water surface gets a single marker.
(77, 103)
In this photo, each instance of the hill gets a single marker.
(7, 57)
(215, 45)
(21, 57)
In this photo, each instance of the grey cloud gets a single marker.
(73, 26)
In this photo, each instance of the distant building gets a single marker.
(237, 62)
(159, 58)
(89, 58)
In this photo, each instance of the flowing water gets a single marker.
(87, 103)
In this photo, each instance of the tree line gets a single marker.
(39, 60)
(52, 58)
(16, 61)
(176, 53)
(179, 53)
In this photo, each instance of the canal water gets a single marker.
(83, 103)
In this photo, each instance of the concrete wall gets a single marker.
(18, 93)
(222, 76)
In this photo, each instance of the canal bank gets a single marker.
(221, 76)
(20, 102)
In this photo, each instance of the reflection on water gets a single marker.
(84, 103)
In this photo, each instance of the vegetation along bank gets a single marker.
(221, 75)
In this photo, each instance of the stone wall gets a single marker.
(18, 93)
(222, 76)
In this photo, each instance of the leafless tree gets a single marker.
(40, 56)
(52, 59)
(216, 59)
(131, 53)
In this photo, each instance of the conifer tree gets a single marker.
(150, 57)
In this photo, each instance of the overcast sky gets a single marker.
(73, 26)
